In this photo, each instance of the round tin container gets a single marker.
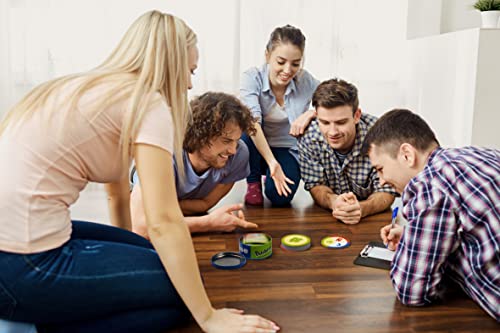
(256, 246)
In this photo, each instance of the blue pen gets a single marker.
(394, 215)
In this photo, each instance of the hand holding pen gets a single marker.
(391, 233)
(394, 216)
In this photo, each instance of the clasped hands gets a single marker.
(346, 208)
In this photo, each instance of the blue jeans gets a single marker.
(258, 167)
(104, 279)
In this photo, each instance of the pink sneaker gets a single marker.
(254, 194)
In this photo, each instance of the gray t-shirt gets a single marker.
(199, 186)
(276, 127)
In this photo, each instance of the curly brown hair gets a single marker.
(211, 112)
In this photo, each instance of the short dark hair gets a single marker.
(335, 92)
(210, 114)
(286, 35)
(396, 127)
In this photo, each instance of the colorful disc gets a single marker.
(335, 242)
(295, 240)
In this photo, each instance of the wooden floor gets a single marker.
(321, 290)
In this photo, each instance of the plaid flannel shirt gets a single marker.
(453, 213)
(319, 164)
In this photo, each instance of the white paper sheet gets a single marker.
(381, 253)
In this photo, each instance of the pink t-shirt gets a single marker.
(43, 169)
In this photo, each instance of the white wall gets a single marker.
(434, 17)
(452, 71)
(43, 39)
(359, 40)
(6, 93)
(453, 82)
(441, 84)
(424, 18)
(487, 102)
(459, 15)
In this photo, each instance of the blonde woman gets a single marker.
(70, 276)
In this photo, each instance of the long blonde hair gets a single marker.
(152, 57)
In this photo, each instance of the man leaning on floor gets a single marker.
(214, 159)
(335, 172)
(451, 200)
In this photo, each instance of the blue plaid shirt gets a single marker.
(319, 164)
(453, 213)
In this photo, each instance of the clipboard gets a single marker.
(376, 255)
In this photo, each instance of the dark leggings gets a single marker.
(258, 167)
(104, 279)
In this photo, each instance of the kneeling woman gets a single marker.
(279, 95)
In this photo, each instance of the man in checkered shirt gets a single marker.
(451, 199)
(332, 167)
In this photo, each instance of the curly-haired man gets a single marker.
(214, 158)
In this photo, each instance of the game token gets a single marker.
(295, 242)
(335, 242)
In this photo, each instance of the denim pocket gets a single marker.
(7, 303)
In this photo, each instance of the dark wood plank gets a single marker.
(321, 290)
